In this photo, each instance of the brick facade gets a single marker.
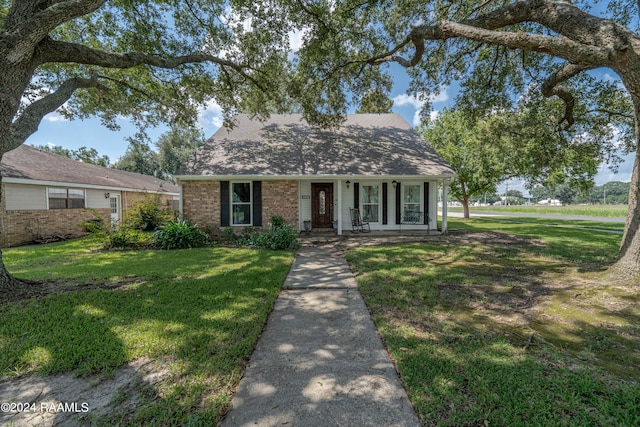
(280, 198)
(26, 226)
(201, 202)
(19, 227)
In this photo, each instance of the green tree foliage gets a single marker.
(523, 142)
(176, 146)
(375, 101)
(148, 62)
(611, 193)
(140, 158)
(83, 154)
(495, 51)
(477, 161)
(172, 149)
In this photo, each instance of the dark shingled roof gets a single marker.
(27, 162)
(285, 145)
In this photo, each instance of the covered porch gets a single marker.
(388, 204)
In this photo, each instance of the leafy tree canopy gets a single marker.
(83, 154)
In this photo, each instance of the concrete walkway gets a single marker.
(319, 361)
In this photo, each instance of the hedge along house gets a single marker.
(44, 194)
(374, 162)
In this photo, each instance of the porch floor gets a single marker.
(375, 237)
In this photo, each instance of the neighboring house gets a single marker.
(375, 162)
(44, 194)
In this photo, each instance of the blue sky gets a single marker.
(56, 130)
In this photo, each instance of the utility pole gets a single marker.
(506, 194)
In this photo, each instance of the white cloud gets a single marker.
(414, 101)
(404, 99)
(210, 116)
(54, 117)
(296, 39)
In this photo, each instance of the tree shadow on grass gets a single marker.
(202, 329)
(469, 326)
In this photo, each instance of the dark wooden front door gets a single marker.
(322, 205)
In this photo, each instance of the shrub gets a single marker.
(147, 214)
(94, 225)
(279, 236)
(118, 237)
(180, 234)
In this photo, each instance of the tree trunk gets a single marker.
(627, 266)
(10, 287)
(465, 207)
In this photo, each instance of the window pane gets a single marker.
(370, 194)
(412, 194)
(242, 214)
(370, 213)
(76, 194)
(75, 203)
(55, 203)
(370, 203)
(59, 193)
(322, 202)
(242, 192)
(113, 203)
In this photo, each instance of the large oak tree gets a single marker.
(495, 50)
(159, 60)
(149, 61)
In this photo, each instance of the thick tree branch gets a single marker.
(28, 122)
(551, 88)
(57, 51)
(588, 42)
(561, 47)
(28, 23)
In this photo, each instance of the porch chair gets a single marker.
(357, 224)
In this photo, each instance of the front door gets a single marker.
(114, 204)
(322, 205)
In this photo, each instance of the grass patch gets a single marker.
(497, 330)
(606, 211)
(199, 312)
(584, 224)
(584, 247)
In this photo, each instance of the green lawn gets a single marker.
(196, 313)
(607, 211)
(600, 225)
(507, 331)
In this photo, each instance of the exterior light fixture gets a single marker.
(394, 183)
(348, 183)
(107, 195)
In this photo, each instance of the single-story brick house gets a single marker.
(374, 162)
(44, 194)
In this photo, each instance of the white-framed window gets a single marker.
(412, 203)
(241, 198)
(370, 201)
(66, 198)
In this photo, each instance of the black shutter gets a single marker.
(398, 203)
(225, 209)
(356, 195)
(384, 203)
(257, 203)
(426, 203)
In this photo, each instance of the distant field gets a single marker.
(609, 211)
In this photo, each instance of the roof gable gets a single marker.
(26, 162)
(366, 144)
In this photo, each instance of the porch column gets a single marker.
(445, 195)
(339, 207)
